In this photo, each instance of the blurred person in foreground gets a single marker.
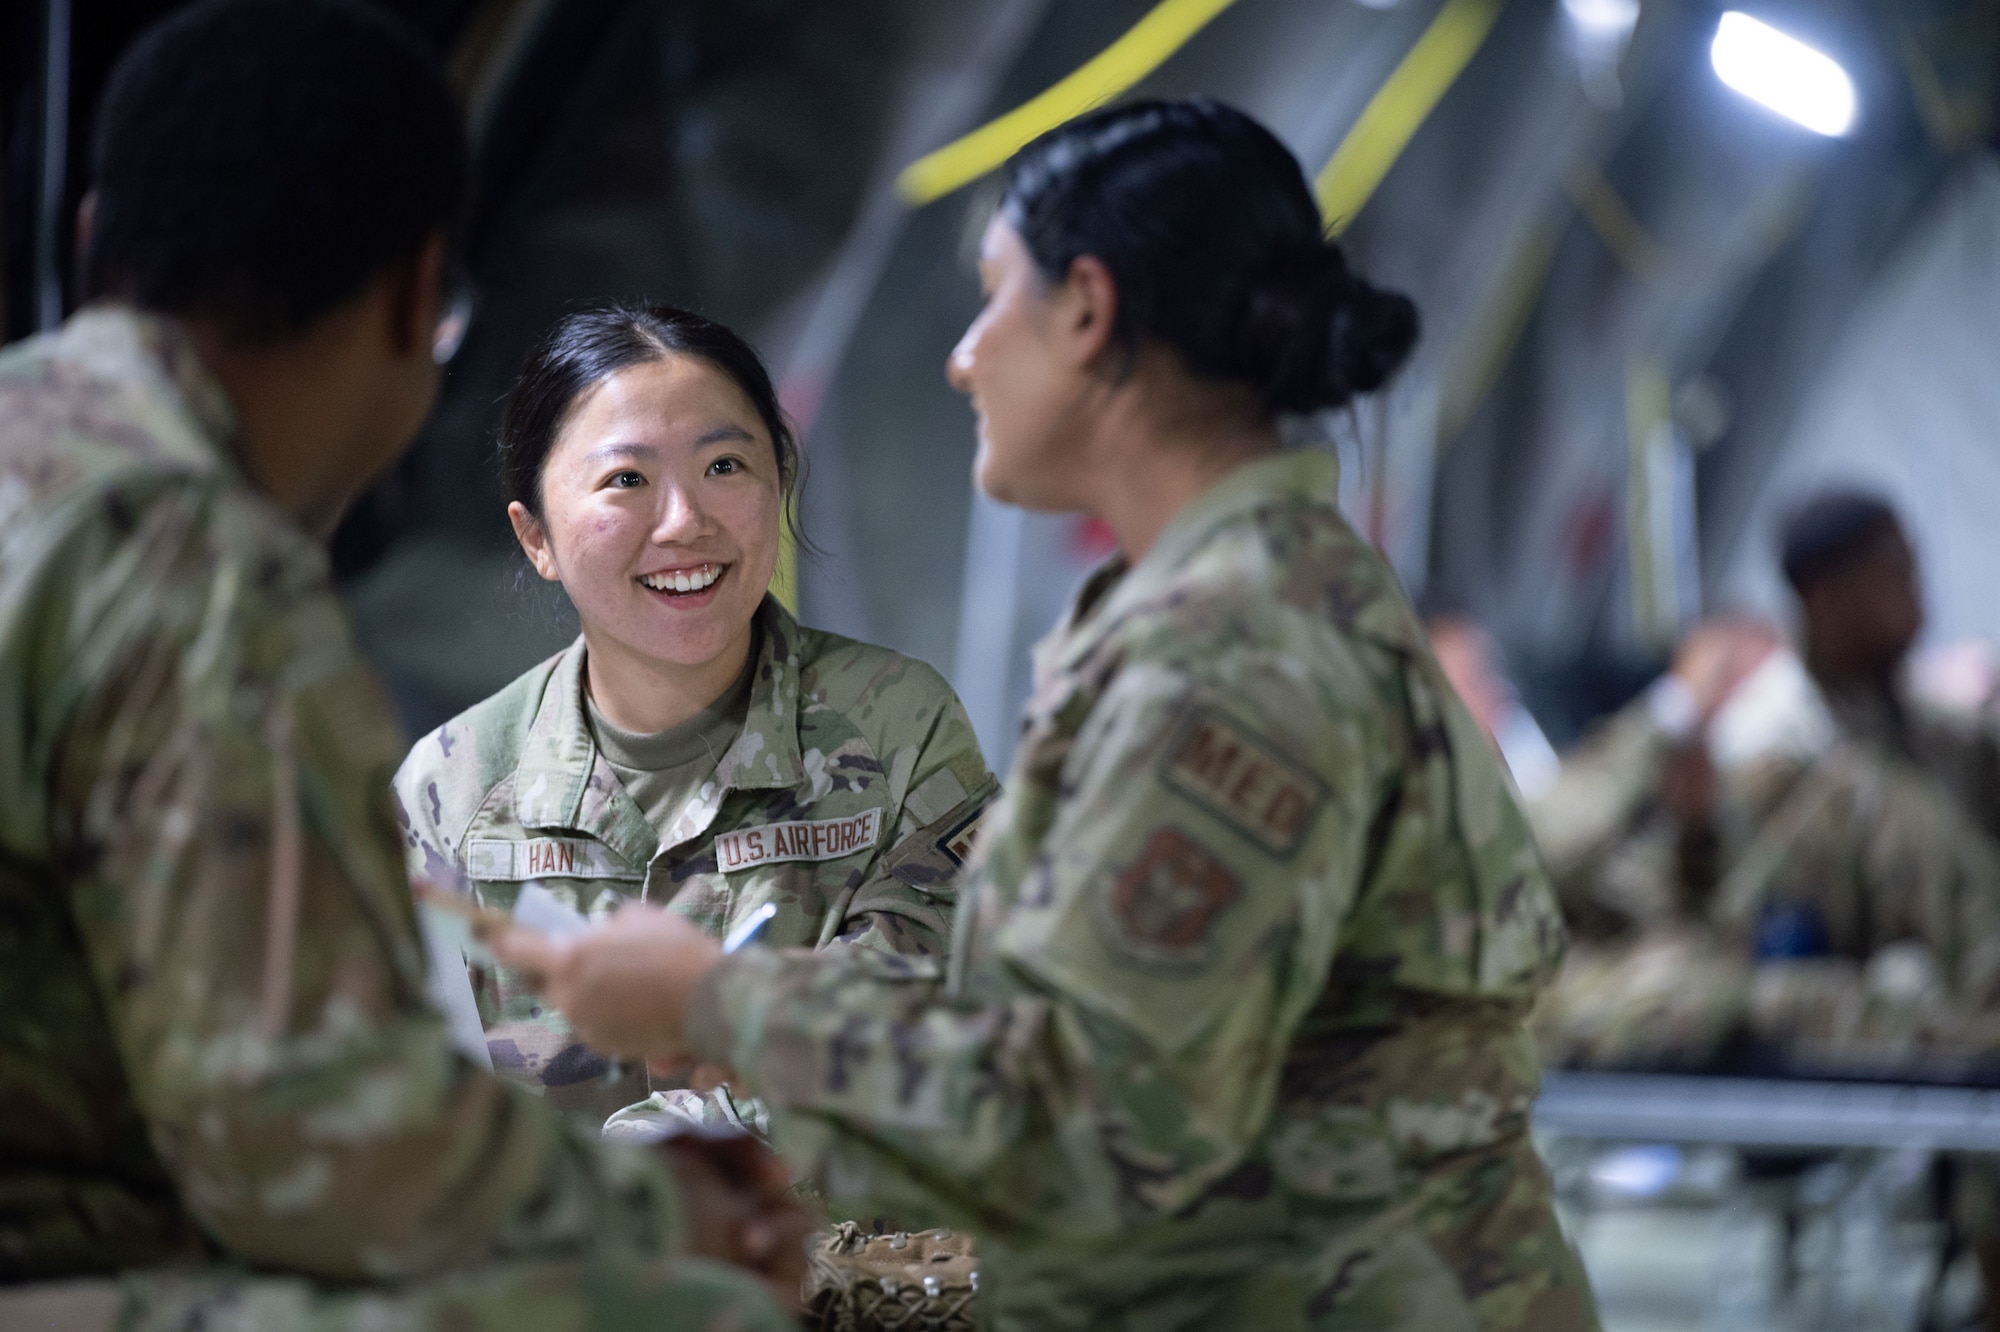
(1233, 1032)
(223, 1099)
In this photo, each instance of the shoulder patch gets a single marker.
(1229, 771)
(817, 839)
(500, 860)
(957, 841)
(1166, 901)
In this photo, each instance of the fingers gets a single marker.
(776, 1244)
(671, 1068)
(528, 951)
(707, 1077)
(748, 1165)
(770, 1176)
(773, 1246)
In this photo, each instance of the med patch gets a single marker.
(1241, 779)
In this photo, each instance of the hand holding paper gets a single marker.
(624, 985)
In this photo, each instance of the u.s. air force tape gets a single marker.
(818, 839)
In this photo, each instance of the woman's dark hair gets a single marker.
(1208, 228)
(585, 349)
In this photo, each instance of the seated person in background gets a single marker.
(1732, 866)
(696, 747)
(1856, 578)
(1869, 882)
(223, 1099)
(1627, 825)
(1626, 819)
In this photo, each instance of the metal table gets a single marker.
(1768, 1112)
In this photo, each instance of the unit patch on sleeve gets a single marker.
(1166, 901)
(502, 861)
(1229, 771)
(820, 839)
(957, 841)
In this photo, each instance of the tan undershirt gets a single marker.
(662, 771)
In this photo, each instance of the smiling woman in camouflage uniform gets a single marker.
(1233, 1032)
(695, 747)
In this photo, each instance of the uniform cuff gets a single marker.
(718, 1015)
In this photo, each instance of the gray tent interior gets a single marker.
(1655, 311)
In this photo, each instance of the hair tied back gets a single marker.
(1317, 334)
(1216, 244)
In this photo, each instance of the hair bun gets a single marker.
(1314, 334)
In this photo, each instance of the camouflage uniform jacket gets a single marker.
(847, 801)
(1960, 751)
(1620, 857)
(1232, 1034)
(216, 1040)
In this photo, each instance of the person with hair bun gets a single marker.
(1234, 1033)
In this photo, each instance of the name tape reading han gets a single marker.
(495, 860)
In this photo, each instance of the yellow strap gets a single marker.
(1399, 106)
(1164, 30)
(785, 578)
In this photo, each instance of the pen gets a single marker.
(747, 928)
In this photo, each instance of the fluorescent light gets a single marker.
(1783, 73)
(1603, 18)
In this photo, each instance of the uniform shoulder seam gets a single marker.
(509, 706)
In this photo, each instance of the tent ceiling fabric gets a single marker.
(1647, 302)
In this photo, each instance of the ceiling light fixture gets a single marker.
(1606, 18)
(1781, 72)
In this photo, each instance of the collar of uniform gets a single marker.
(1108, 594)
(766, 752)
(113, 340)
(562, 781)
(766, 755)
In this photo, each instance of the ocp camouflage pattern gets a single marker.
(1233, 1030)
(1876, 858)
(217, 1055)
(844, 802)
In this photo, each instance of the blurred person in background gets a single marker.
(696, 747)
(1738, 864)
(1628, 825)
(223, 1098)
(1234, 1033)
(1868, 888)
(1860, 596)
